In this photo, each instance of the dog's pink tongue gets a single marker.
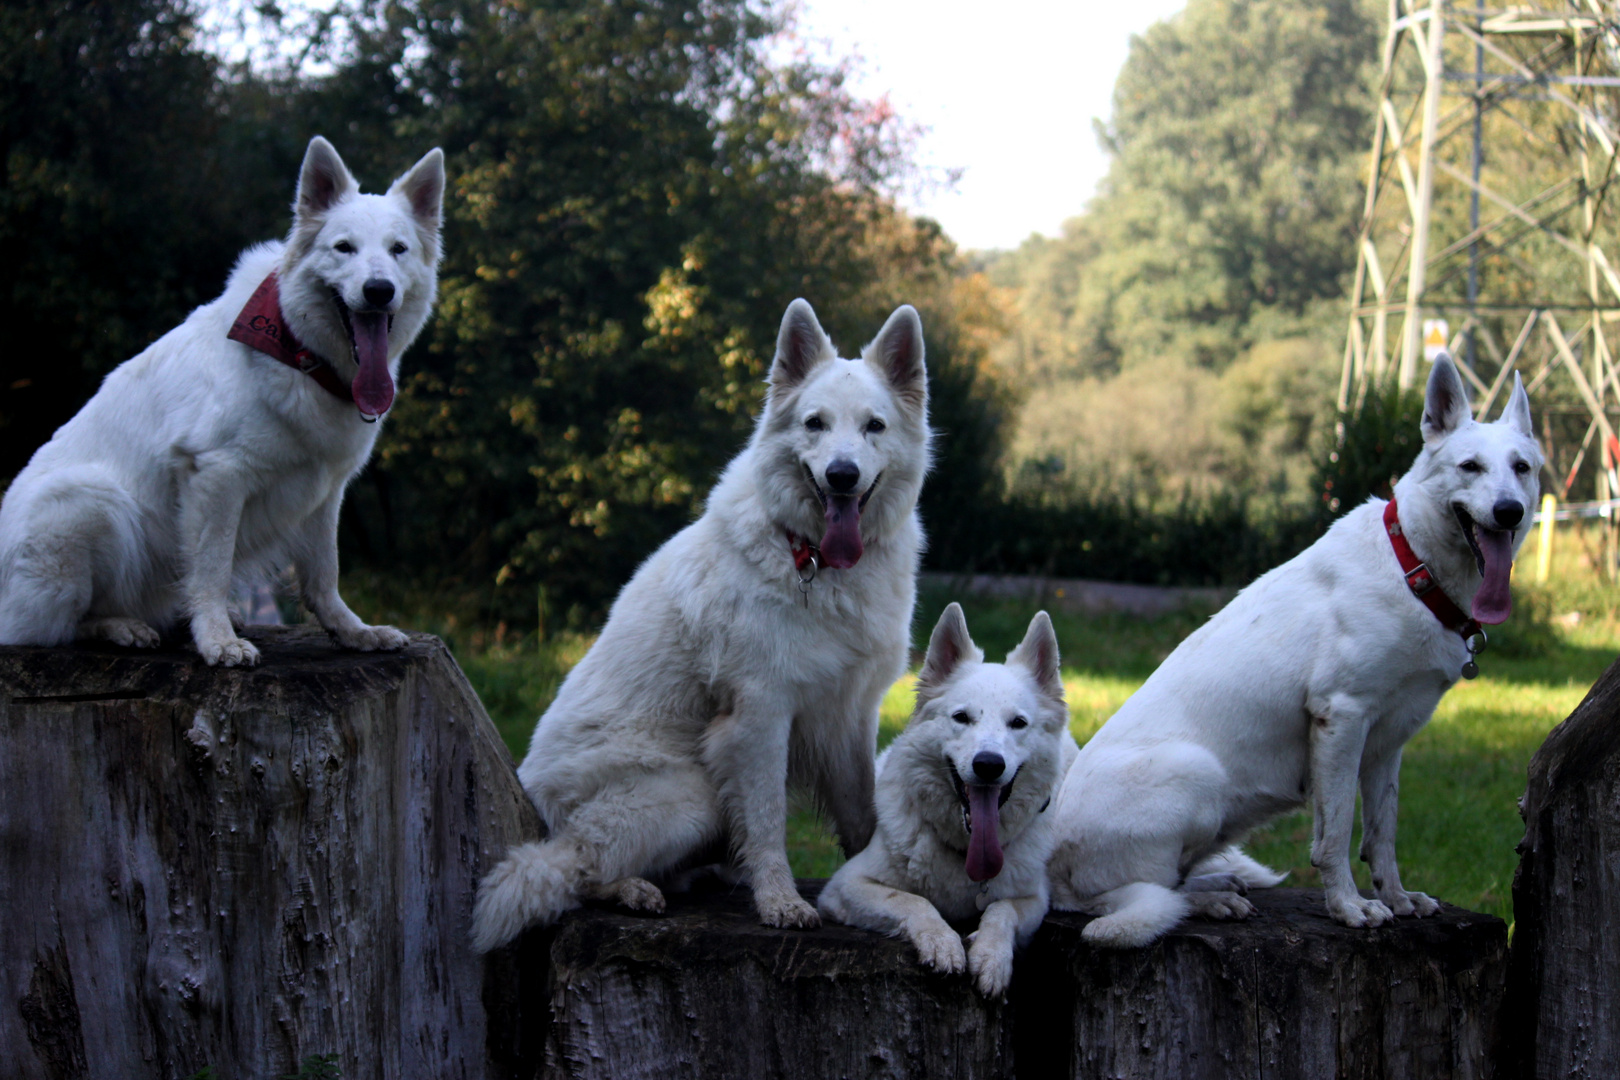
(373, 387)
(984, 847)
(1494, 601)
(841, 543)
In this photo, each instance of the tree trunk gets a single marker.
(243, 868)
(1564, 980)
(705, 992)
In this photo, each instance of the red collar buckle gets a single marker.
(1419, 580)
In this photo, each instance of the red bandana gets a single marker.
(261, 327)
(1420, 579)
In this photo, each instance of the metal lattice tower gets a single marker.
(1489, 206)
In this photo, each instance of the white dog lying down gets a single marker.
(962, 798)
(1309, 682)
(751, 650)
(223, 450)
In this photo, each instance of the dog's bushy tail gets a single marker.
(1233, 861)
(1135, 915)
(528, 888)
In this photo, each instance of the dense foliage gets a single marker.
(1186, 329)
(637, 191)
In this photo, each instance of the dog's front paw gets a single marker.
(1358, 911)
(1404, 903)
(371, 638)
(991, 962)
(229, 652)
(1220, 905)
(787, 912)
(940, 948)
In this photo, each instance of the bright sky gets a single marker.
(1008, 91)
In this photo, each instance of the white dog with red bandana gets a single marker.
(964, 795)
(222, 451)
(1303, 688)
(750, 651)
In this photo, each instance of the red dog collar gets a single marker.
(804, 553)
(1420, 579)
(261, 327)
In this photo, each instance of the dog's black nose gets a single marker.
(378, 293)
(988, 766)
(1509, 512)
(843, 475)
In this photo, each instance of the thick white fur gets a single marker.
(1304, 686)
(912, 878)
(715, 682)
(201, 461)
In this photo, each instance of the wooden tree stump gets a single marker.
(244, 868)
(241, 868)
(705, 992)
(1563, 1014)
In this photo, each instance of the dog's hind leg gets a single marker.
(1135, 915)
(1230, 870)
(120, 631)
(47, 592)
(634, 827)
(1218, 904)
(78, 545)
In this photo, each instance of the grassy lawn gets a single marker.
(1461, 778)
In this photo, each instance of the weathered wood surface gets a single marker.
(240, 868)
(1563, 1015)
(705, 992)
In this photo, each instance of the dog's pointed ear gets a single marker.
(1038, 654)
(897, 352)
(1516, 414)
(323, 181)
(801, 346)
(423, 188)
(1445, 403)
(948, 648)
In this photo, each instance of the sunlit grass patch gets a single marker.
(1461, 776)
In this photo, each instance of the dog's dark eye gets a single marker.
(343, 246)
(814, 424)
(1469, 466)
(961, 717)
(875, 425)
(398, 249)
(1017, 722)
(1521, 467)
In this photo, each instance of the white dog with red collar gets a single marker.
(221, 452)
(1307, 684)
(751, 651)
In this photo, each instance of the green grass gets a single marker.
(1461, 777)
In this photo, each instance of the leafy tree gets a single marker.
(129, 186)
(1238, 137)
(638, 192)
